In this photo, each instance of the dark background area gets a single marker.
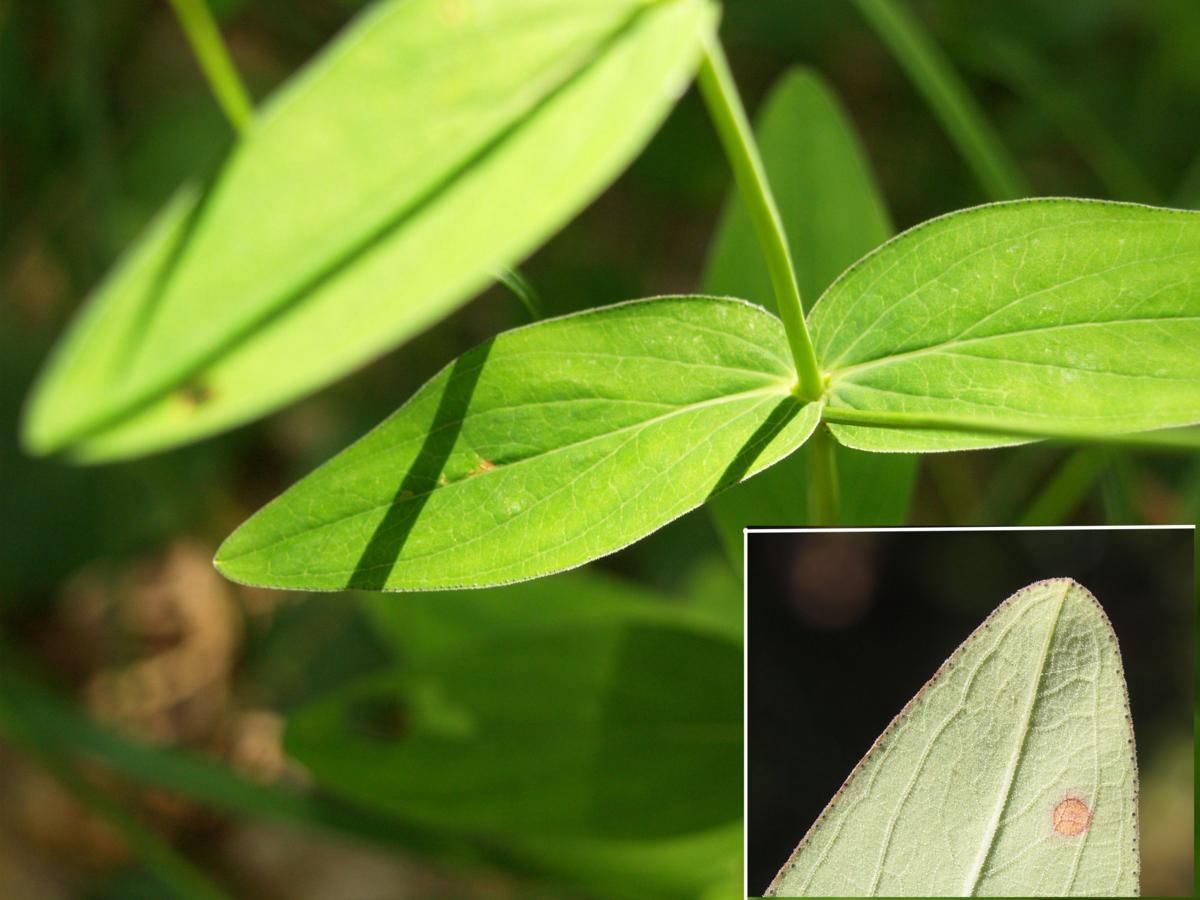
(844, 628)
(105, 571)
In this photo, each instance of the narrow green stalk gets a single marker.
(1066, 489)
(1117, 489)
(733, 128)
(523, 290)
(223, 79)
(1014, 64)
(823, 500)
(945, 92)
(38, 715)
(1183, 438)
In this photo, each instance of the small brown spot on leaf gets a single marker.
(1072, 817)
(485, 465)
(195, 393)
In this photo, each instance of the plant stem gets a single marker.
(823, 500)
(223, 79)
(733, 128)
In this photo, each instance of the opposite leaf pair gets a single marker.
(563, 441)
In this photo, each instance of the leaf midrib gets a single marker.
(972, 881)
(985, 409)
(779, 389)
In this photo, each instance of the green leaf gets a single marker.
(448, 624)
(619, 731)
(1039, 316)
(833, 214)
(430, 145)
(1011, 773)
(441, 628)
(583, 725)
(542, 449)
(701, 863)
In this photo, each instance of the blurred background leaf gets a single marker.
(374, 193)
(580, 723)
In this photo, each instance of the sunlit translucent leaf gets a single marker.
(544, 448)
(833, 214)
(1070, 315)
(430, 144)
(585, 726)
(1011, 773)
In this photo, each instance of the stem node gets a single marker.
(733, 128)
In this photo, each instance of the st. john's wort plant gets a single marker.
(556, 443)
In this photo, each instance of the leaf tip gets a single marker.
(225, 561)
(37, 438)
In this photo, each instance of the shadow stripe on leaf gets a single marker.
(544, 448)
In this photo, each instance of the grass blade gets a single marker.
(943, 89)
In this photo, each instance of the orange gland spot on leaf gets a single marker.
(485, 465)
(1072, 817)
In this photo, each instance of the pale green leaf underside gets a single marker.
(833, 214)
(429, 145)
(958, 796)
(544, 448)
(1050, 314)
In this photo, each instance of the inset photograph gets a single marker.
(970, 712)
